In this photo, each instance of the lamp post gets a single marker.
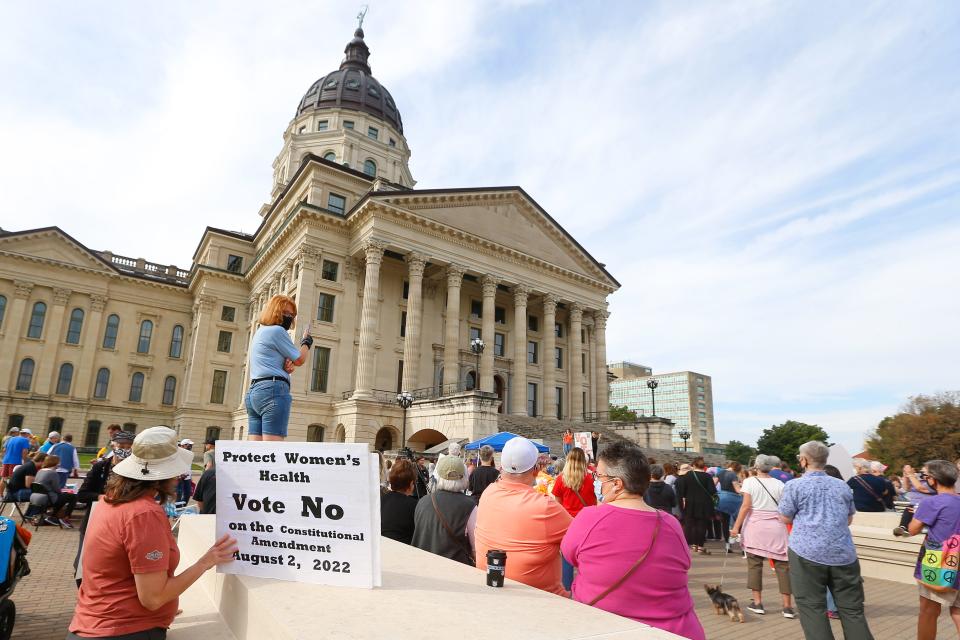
(652, 385)
(405, 400)
(684, 435)
(476, 345)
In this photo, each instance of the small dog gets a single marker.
(724, 603)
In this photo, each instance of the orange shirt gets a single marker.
(122, 540)
(527, 525)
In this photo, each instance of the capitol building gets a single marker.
(397, 283)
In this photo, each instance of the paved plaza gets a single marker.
(46, 597)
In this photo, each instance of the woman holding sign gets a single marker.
(129, 589)
(272, 358)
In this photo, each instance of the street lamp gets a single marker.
(476, 345)
(405, 400)
(684, 435)
(652, 385)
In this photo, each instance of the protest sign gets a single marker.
(582, 440)
(301, 511)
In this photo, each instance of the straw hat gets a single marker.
(155, 456)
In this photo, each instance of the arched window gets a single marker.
(330, 155)
(35, 330)
(176, 342)
(25, 377)
(315, 433)
(370, 167)
(3, 308)
(146, 332)
(102, 384)
(110, 335)
(75, 326)
(136, 387)
(169, 389)
(65, 379)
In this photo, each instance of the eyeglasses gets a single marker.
(601, 476)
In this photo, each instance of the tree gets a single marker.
(622, 414)
(927, 428)
(784, 440)
(739, 451)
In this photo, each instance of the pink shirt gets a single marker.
(603, 543)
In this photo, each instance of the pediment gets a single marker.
(53, 245)
(510, 219)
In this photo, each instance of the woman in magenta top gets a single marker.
(604, 542)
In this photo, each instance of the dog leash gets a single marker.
(726, 556)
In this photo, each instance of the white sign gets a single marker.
(583, 441)
(301, 511)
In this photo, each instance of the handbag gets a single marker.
(938, 564)
(623, 578)
(458, 539)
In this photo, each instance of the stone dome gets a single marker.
(353, 87)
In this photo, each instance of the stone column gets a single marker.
(602, 387)
(518, 395)
(369, 314)
(416, 263)
(309, 258)
(12, 330)
(486, 358)
(576, 372)
(90, 342)
(549, 356)
(196, 392)
(52, 338)
(451, 340)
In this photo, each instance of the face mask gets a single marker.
(287, 322)
(121, 453)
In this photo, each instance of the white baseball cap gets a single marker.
(26, 431)
(519, 455)
(155, 456)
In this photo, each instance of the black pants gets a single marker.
(725, 525)
(695, 530)
(906, 517)
(149, 634)
(809, 581)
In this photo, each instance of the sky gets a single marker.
(775, 184)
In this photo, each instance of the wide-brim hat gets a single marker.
(155, 456)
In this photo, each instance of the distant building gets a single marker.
(684, 397)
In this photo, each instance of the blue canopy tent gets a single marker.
(497, 441)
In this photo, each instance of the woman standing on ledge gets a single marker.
(272, 358)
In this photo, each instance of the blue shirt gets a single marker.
(64, 451)
(820, 507)
(780, 475)
(14, 451)
(45, 447)
(270, 347)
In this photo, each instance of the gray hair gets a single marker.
(876, 465)
(454, 449)
(453, 486)
(486, 453)
(816, 453)
(860, 463)
(656, 471)
(765, 463)
(943, 471)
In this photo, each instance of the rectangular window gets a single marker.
(532, 352)
(583, 363)
(403, 324)
(406, 289)
(329, 270)
(56, 424)
(373, 132)
(393, 142)
(476, 308)
(213, 433)
(228, 314)
(500, 315)
(15, 420)
(400, 376)
(321, 369)
(336, 203)
(475, 334)
(219, 388)
(234, 264)
(531, 399)
(559, 357)
(325, 308)
(583, 405)
(302, 129)
(533, 323)
(348, 124)
(323, 125)
(558, 330)
(499, 341)
(559, 403)
(92, 437)
(224, 342)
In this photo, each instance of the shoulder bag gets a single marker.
(623, 578)
(713, 496)
(938, 564)
(464, 544)
(775, 501)
(873, 493)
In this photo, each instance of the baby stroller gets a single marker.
(13, 566)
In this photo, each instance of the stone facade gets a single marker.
(394, 281)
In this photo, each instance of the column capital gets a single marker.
(98, 302)
(416, 263)
(576, 312)
(549, 303)
(489, 284)
(205, 302)
(23, 288)
(60, 296)
(373, 251)
(308, 256)
(455, 275)
(520, 293)
(600, 319)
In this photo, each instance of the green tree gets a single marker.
(622, 414)
(784, 440)
(739, 451)
(927, 428)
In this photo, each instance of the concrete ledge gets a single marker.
(421, 593)
(882, 554)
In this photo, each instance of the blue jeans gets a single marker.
(64, 475)
(268, 408)
(567, 575)
(566, 449)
